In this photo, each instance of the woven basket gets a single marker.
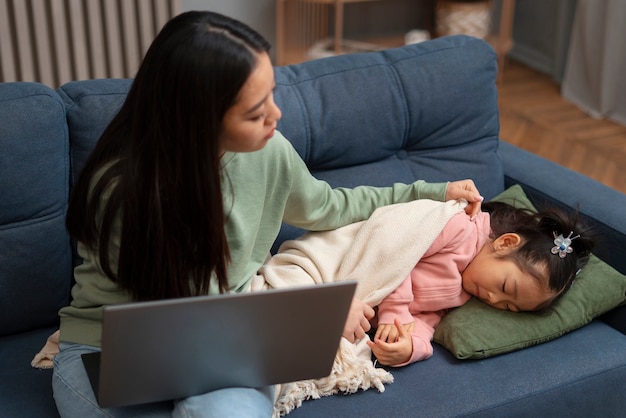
(468, 18)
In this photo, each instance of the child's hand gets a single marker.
(389, 332)
(393, 344)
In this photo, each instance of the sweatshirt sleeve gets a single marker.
(315, 206)
(396, 304)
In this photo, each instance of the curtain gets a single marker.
(596, 66)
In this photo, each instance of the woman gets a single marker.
(185, 193)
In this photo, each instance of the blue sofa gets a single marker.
(426, 111)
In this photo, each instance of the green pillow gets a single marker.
(476, 330)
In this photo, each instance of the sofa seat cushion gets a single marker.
(25, 392)
(566, 377)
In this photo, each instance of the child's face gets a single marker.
(499, 282)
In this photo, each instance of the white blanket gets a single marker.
(378, 253)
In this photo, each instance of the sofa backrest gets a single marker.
(425, 111)
(35, 255)
(432, 106)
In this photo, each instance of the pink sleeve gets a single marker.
(396, 304)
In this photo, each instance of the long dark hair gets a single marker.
(538, 234)
(157, 165)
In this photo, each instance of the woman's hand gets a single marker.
(465, 189)
(358, 322)
(392, 344)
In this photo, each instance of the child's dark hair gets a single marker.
(538, 232)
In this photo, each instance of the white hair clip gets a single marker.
(562, 245)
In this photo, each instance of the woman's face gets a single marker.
(250, 122)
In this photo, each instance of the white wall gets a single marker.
(541, 29)
(373, 18)
(258, 14)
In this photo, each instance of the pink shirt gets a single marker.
(434, 285)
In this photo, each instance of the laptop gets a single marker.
(176, 348)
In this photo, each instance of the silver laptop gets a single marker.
(172, 349)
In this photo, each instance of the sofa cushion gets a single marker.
(476, 330)
(91, 105)
(35, 266)
(421, 111)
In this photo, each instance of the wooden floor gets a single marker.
(535, 117)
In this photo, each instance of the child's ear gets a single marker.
(507, 243)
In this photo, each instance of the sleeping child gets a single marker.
(509, 258)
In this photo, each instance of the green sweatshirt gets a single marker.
(261, 190)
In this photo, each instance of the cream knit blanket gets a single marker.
(378, 253)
